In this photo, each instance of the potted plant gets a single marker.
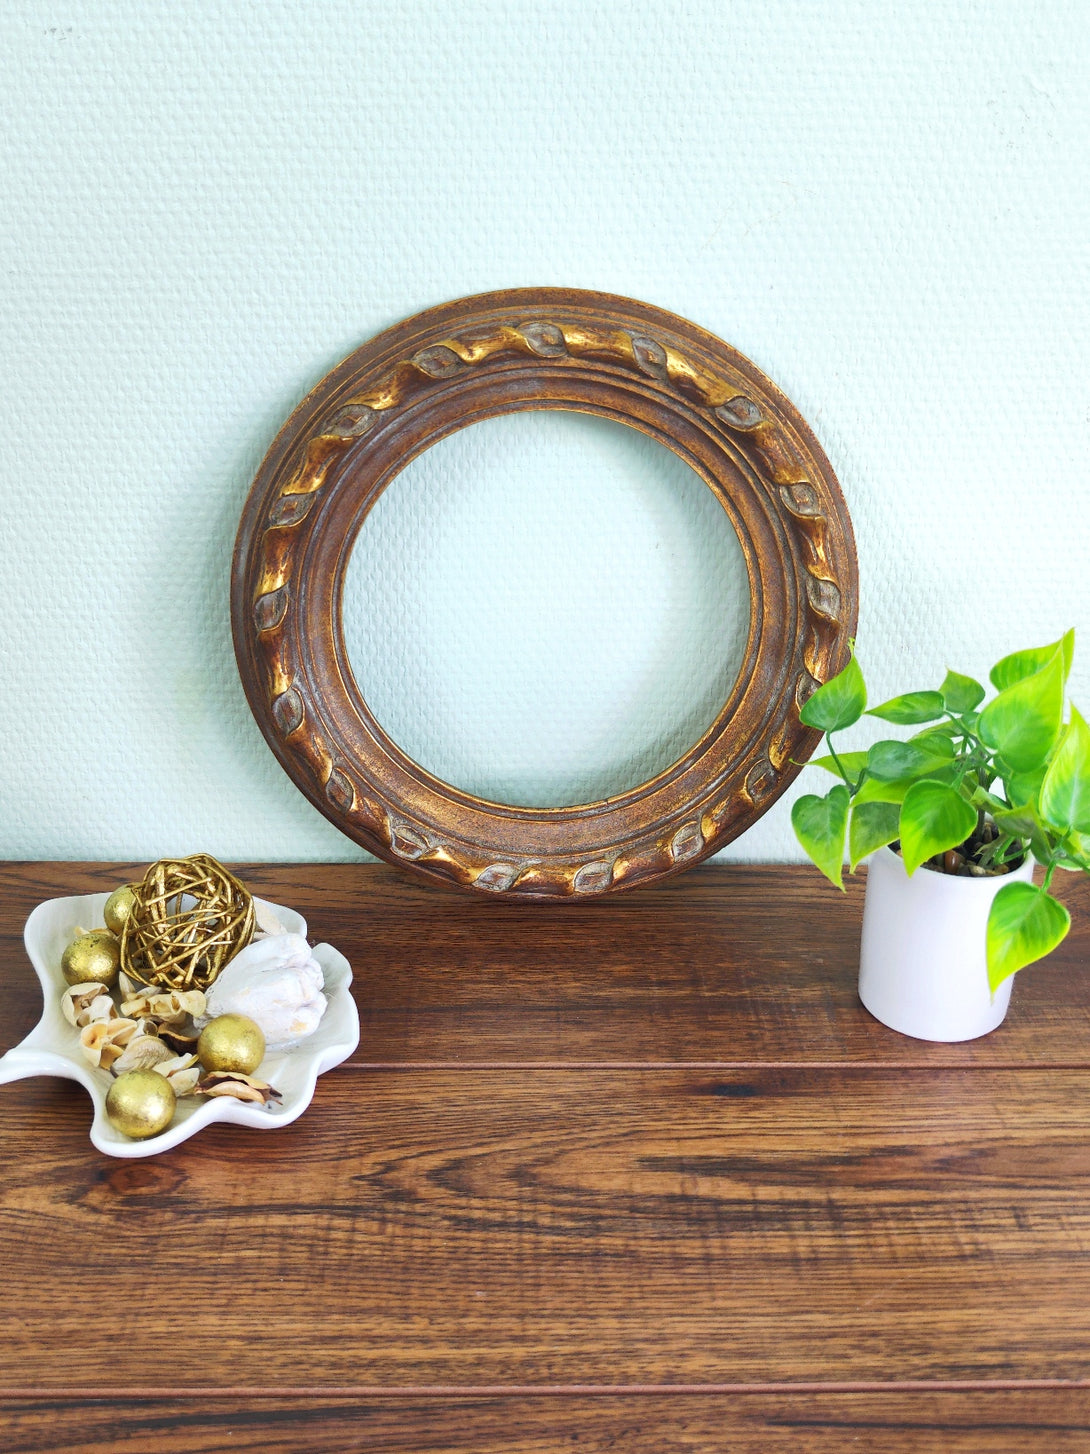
(953, 818)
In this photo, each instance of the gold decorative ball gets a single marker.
(141, 1103)
(92, 959)
(188, 917)
(117, 908)
(231, 1042)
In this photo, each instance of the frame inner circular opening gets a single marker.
(546, 609)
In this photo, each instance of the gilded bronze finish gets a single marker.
(474, 359)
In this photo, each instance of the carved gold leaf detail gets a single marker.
(740, 412)
(779, 744)
(545, 339)
(406, 842)
(371, 814)
(686, 842)
(497, 877)
(760, 780)
(321, 453)
(781, 457)
(824, 596)
(802, 499)
(339, 790)
(805, 687)
(270, 609)
(350, 421)
(288, 711)
(720, 811)
(593, 877)
(438, 361)
(811, 654)
(650, 357)
(290, 509)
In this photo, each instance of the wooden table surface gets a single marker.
(636, 1175)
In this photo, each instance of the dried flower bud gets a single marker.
(167, 1007)
(77, 1000)
(102, 1008)
(177, 1062)
(182, 1071)
(103, 1041)
(241, 1087)
(143, 1052)
(184, 1081)
(182, 1042)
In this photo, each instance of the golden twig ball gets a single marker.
(141, 1103)
(231, 1042)
(117, 908)
(92, 959)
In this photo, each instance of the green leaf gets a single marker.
(889, 760)
(1022, 664)
(1024, 720)
(821, 826)
(1024, 787)
(839, 703)
(1024, 924)
(1018, 822)
(910, 708)
(874, 790)
(982, 798)
(949, 730)
(1023, 824)
(1065, 791)
(939, 738)
(873, 825)
(854, 763)
(961, 694)
(934, 817)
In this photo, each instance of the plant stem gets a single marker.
(839, 765)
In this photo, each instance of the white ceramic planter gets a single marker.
(922, 964)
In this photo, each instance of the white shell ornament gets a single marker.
(278, 983)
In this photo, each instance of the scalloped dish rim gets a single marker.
(52, 1047)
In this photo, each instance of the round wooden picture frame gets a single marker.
(473, 359)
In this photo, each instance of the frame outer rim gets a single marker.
(639, 854)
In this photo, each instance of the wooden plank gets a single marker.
(728, 964)
(554, 1228)
(962, 1422)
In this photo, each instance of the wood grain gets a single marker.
(569, 1228)
(635, 1175)
(730, 965)
(920, 1422)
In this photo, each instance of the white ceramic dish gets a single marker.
(52, 1047)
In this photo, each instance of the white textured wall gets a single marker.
(204, 206)
(573, 654)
